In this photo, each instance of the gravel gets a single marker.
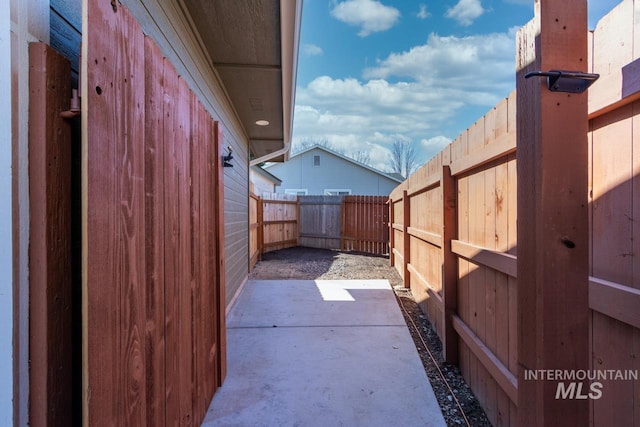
(457, 402)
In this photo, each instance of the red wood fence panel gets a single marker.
(365, 224)
(153, 330)
(279, 221)
(351, 223)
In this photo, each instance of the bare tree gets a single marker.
(305, 143)
(361, 156)
(404, 158)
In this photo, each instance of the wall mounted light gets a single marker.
(565, 81)
(227, 159)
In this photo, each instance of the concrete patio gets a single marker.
(321, 353)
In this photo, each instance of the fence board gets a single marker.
(501, 307)
(155, 208)
(51, 284)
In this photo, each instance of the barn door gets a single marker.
(153, 319)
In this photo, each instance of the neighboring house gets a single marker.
(321, 171)
(236, 61)
(262, 181)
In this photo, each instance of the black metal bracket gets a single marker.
(565, 81)
(226, 160)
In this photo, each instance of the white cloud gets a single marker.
(418, 95)
(354, 115)
(370, 15)
(436, 144)
(312, 50)
(474, 64)
(465, 12)
(423, 13)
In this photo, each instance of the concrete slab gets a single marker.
(326, 363)
(315, 303)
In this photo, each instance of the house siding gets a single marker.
(261, 184)
(66, 31)
(166, 24)
(333, 172)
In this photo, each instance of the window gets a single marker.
(316, 160)
(336, 192)
(296, 191)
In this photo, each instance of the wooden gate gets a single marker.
(153, 281)
(365, 221)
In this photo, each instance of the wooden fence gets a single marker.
(153, 235)
(320, 219)
(350, 223)
(453, 238)
(279, 222)
(255, 230)
(364, 224)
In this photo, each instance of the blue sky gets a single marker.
(371, 72)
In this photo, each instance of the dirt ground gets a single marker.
(459, 405)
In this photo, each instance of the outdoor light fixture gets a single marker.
(227, 159)
(262, 122)
(565, 81)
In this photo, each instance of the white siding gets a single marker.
(333, 173)
(165, 23)
(261, 184)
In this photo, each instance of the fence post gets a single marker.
(449, 265)
(407, 243)
(260, 216)
(343, 218)
(298, 222)
(392, 243)
(553, 234)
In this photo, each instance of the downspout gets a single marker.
(267, 157)
(290, 18)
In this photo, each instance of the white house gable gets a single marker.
(321, 171)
